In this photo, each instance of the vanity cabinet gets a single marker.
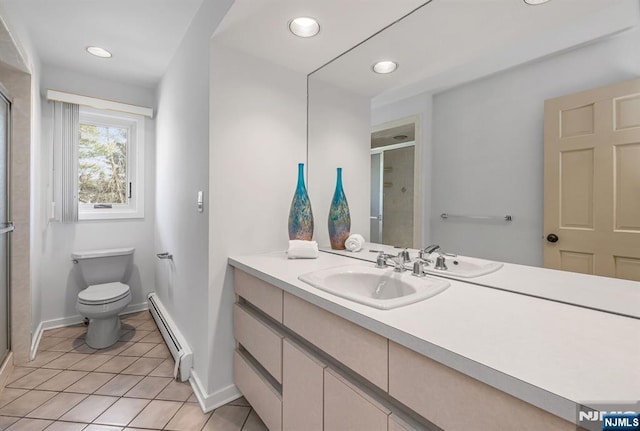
(361, 350)
(304, 368)
(346, 407)
(302, 389)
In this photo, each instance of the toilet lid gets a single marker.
(103, 293)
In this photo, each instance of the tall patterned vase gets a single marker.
(300, 215)
(339, 217)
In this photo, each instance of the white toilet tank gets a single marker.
(103, 266)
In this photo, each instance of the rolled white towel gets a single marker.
(354, 243)
(299, 249)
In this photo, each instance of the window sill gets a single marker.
(110, 215)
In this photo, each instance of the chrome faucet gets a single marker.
(428, 250)
(398, 264)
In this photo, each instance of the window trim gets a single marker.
(135, 164)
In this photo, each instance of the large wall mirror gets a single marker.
(458, 127)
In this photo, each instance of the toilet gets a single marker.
(105, 295)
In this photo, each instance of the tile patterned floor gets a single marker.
(126, 387)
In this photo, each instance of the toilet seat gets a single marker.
(101, 294)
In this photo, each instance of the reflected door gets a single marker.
(5, 227)
(592, 182)
(376, 198)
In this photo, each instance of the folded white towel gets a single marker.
(299, 249)
(355, 242)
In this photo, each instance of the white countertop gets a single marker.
(549, 354)
(600, 293)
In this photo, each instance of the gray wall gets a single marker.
(488, 147)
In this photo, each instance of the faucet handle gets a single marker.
(404, 256)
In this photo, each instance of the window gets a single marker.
(110, 165)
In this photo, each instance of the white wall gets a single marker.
(182, 170)
(258, 136)
(339, 136)
(421, 106)
(58, 288)
(488, 147)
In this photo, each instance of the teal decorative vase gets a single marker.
(339, 217)
(300, 215)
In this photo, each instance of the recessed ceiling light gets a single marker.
(385, 66)
(98, 52)
(304, 26)
(535, 2)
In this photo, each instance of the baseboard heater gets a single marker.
(176, 343)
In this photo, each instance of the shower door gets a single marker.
(5, 228)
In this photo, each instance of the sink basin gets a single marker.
(379, 288)
(465, 267)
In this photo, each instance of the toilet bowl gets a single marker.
(105, 296)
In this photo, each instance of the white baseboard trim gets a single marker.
(72, 320)
(210, 402)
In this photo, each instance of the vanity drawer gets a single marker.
(263, 295)
(346, 407)
(361, 350)
(261, 394)
(454, 401)
(261, 341)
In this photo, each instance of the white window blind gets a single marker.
(66, 126)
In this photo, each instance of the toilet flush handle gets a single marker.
(165, 255)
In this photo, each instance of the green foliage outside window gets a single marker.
(102, 164)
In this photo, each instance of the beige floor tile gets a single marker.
(119, 385)
(6, 422)
(61, 344)
(91, 362)
(176, 391)
(29, 425)
(138, 349)
(192, 399)
(116, 364)
(188, 418)
(66, 426)
(89, 408)
(165, 369)
(227, 418)
(49, 344)
(66, 360)
(96, 427)
(18, 373)
(156, 415)
(142, 366)
(148, 387)
(254, 423)
(9, 394)
(26, 403)
(149, 326)
(90, 383)
(134, 335)
(36, 378)
(82, 348)
(159, 351)
(122, 412)
(242, 401)
(153, 337)
(62, 381)
(67, 332)
(43, 358)
(116, 348)
(56, 406)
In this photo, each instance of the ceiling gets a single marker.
(449, 42)
(143, 35)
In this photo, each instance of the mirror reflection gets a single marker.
(469, 94)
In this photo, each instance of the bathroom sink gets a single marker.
(463, 266)
(379, 288)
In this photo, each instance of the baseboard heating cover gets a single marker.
(176, 343)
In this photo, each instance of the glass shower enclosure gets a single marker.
(6, 227)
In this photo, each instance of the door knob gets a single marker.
(552, 237)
